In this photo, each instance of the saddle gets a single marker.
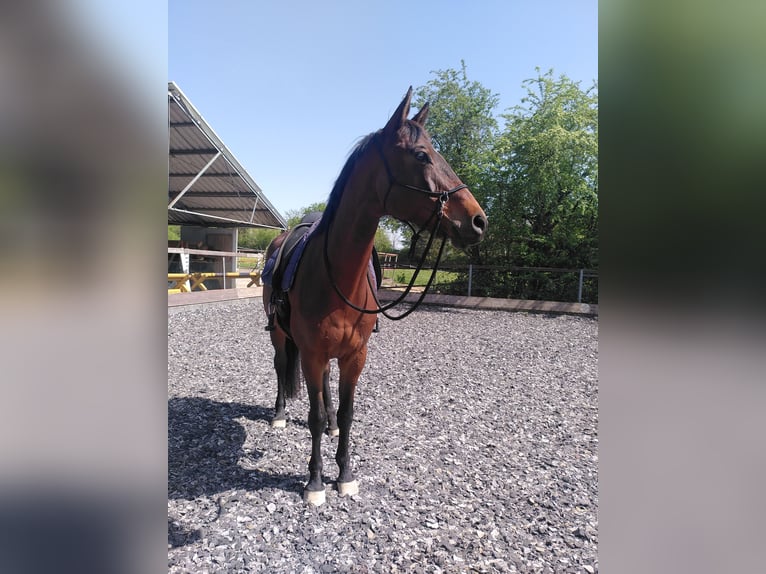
(280, 269)
(275, 272)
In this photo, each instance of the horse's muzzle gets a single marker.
(480, 224)
(468, 233)
(474, 234)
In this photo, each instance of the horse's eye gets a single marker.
(421, 156)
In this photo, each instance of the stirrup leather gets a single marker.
(271, 315)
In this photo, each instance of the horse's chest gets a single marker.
(336, 338)
(344, 340)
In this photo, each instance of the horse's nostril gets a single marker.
(480, 223)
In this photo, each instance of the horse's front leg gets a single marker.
(350, 369)
(314, 493)
(332, 419)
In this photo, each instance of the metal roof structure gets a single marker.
(207, 186)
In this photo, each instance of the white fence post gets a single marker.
(470, 277)
(579, 288)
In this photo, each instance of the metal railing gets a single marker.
(541, 283)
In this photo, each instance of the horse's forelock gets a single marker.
(414, 131)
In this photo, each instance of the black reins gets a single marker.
(443, 197)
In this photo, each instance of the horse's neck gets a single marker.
(352, 233)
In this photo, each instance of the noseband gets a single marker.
(443, 198)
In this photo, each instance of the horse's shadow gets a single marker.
(206, 450)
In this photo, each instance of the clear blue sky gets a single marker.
(290, 86)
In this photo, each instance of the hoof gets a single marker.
(278, 423)
(333, 432)
(315, 497)
(348, 488)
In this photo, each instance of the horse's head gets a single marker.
(421, 183)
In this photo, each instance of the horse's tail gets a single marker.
(293, 370)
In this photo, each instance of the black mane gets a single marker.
(333, 201)
(414, 132)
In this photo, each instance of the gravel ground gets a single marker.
(475, 443)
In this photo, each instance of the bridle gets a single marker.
(443, 197)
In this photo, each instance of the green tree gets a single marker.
(257, 237)
(544, 196)
(382, 241)
(461, 121)
(174, 232)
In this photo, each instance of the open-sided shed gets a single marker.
(210, 195)
(207, 186)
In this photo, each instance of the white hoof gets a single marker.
(348, 488)
(315, 497)
(278, 423)
(333, 432)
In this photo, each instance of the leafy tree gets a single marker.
(537, 177)
(544, 199)
(256, 238)
(383, 242)
(460, 121)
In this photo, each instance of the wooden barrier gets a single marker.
(197, 280)
(185, 280)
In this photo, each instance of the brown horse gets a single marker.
(395, 171)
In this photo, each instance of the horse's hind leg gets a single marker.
(281, 366)
(287, 366)
(332, 419)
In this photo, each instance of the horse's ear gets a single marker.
(422, 115)
(400, 115)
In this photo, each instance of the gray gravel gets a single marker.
(475, 442)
